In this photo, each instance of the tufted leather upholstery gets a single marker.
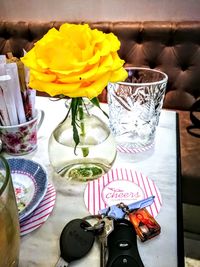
(168, 46)
(173, 47)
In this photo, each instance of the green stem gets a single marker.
(74, 108)
(85, 150)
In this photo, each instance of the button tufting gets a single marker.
(184, 67)
(152, 65)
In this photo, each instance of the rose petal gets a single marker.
(46, 77)
(54, 89)
(85, 74)
(75, 61)
(118, 75)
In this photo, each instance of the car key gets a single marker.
(107, 229)
(75, 241)
(122, 246)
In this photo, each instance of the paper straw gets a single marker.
(6, 86)
(3, 110)
(11, 69)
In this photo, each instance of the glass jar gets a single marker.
(9, 222)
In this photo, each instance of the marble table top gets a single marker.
(41, 247)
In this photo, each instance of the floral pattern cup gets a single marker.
(22, 138)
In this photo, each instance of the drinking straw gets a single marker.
(5, 121)
(12, 70)
(2, 59)
(5, 83)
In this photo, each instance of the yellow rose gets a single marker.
(75, 61)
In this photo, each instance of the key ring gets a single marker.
(97, 227)
(124, 207)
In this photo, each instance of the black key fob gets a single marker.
(122, 246)
(75, 240)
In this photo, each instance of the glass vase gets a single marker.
(91, 158)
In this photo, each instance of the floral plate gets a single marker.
(30, 184)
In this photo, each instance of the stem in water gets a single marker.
(85, 150)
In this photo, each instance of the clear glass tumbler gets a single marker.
(9, 222)
(135, 106)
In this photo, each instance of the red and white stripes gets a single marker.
(93, 192)
(124, 149)
(41, 213)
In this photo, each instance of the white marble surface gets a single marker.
(41, 247)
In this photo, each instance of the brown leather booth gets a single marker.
(173, 47)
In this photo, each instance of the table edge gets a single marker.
(180, 233)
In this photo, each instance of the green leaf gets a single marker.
(95, 102)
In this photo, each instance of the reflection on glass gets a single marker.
(9, 223)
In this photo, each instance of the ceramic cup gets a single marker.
(22, 138)
(9, 221)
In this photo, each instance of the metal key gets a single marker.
(107, 229)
